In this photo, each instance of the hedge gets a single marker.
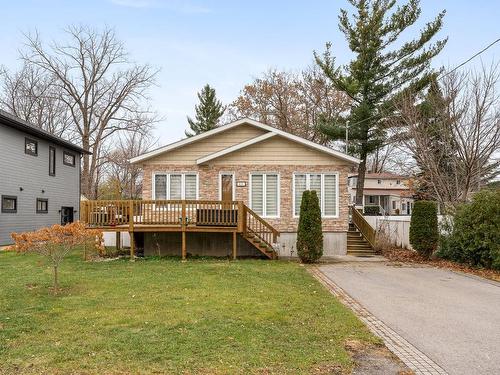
(475, 232)
(372, 210)
(424, 233)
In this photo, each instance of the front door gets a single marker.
(226, 185)
(66, 215)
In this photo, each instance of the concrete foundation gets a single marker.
(334, 243)
(221, 244)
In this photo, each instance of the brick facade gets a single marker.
(208, 176)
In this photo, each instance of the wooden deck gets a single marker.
(181, 216)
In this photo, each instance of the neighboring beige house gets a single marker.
(266, 168)
(391, 192)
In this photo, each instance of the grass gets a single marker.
(165, 316)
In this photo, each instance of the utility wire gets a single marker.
(444, 75)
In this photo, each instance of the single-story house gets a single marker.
(391, 192)
(247, 161)
(39, 178)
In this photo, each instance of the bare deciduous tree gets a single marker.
(103, 92)
(123, 180)
(454, 144)
(31, 94)
(293, 102)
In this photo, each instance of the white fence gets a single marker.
(396, 227)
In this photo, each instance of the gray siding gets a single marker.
(31, 173)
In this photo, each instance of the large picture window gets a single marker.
(264, 194)
(175, 186)
(326, 187)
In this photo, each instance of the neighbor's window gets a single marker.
(52, 161)
(264, 194)
(30, 147)
(393, 205)
(42, 206)
(379, 182)
(326, 187)
(9, 204)
(175, 186)
(69, 159)
(398, 182)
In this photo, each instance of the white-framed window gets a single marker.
(175, 185)
(326, 186)
(264, 194)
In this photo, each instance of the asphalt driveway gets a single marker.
(453, 318)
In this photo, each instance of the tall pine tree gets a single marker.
(208, 112)
(382, 68)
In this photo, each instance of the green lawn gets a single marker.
(164, 316)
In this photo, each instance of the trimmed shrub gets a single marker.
(372, 210)
(474, 237)
(309, 233)
(424, 233)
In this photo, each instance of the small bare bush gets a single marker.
(55, 242)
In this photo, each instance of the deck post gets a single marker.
(241, 217)
(131, 229)
(235, 244)
(118, 244)
(132, 247)
(183, 228)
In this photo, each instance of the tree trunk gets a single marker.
(56, 280)
(360, 183)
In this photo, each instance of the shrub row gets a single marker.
(474, 236)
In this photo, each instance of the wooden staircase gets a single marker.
(259, 233)
(361, 236)
(357, 245)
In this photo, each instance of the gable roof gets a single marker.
(24, 126)
(269, 129)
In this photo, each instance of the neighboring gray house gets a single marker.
(39, 178)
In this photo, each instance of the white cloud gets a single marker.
(175, 5)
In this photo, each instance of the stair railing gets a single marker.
(363, 226)
(260, 228)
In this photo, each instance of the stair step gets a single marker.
(358, 246)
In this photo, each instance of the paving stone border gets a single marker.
(409, 355)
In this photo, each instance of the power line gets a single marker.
(442, 76)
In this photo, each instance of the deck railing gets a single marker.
(109, 213)
(364, 227)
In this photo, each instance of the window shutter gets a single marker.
(272, 195)
(175, 186)
(190, 186)
(300, 187)
(160, 186)
(330, 195)
(257, 193)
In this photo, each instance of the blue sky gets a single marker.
(227, 43)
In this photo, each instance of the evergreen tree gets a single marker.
(208, 112)
(309, 232)
(436, 123)
(381, 70)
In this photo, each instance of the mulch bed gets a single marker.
(412, 257)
